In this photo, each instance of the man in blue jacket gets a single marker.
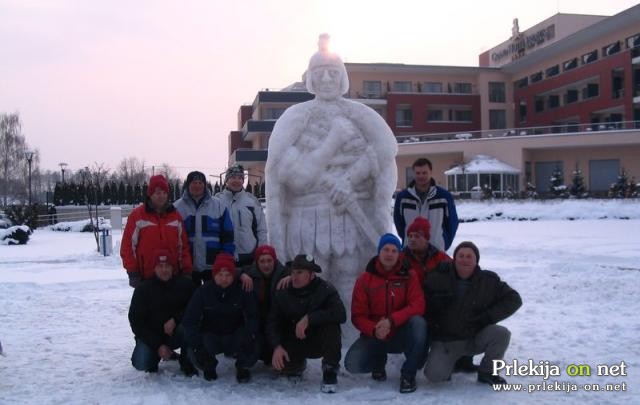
(425, 199)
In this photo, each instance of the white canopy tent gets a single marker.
(481, 171)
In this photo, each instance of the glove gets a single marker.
(134, 279)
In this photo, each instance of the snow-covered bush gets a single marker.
(79, 226)
(15, 235)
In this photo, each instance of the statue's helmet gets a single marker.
(324, 57)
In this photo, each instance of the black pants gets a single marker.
(323, 341)
(239, 344)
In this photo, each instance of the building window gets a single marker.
(570, 64)
(497, 119)
(536, 77)
(497, 92)
(372, 89)
(553, 101)
(633, 41)
(462, 88)
(523, 111)
(524, 82)
(402, 87)
(539, 104)
(611, 49)
(462, 115)
(432, 87)
(590, 57)
(404, 115)
(552, 71)
(273, 113)
(571, 96)
(435, 116)
(592, 90)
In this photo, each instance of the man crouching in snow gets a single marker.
(222, 318)
(464, 303)
(304, 322)
(155, 313)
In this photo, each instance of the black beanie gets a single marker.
(195, 175)
(470, 245)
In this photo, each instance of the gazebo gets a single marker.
(483, 171)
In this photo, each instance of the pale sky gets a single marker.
(98, 81)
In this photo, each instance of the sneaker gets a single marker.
(465, 365)
(329, 382)
(407, 384)
(243, 375)
(379, 375)
(488, 378)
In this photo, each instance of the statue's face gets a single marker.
(326, 80)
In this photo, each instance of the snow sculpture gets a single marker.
(330, 176)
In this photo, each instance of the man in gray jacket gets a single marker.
(207, 223)
(249, 226)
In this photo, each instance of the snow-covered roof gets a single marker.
(483, 164)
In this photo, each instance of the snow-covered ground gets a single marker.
(64, 328)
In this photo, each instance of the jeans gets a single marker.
(369, 353)
(144, 358)
(240, 344)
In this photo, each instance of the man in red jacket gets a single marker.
(387, 308)
(154, 225)
(421, 255)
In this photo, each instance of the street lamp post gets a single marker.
(63, 167)
(29, 156)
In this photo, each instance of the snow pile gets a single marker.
(80, 226)
(531, 210)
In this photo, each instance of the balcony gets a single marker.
(253, 127)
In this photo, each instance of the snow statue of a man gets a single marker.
(330, 176)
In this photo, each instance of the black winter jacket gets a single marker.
(260, 289)
(154, 302)
(319, 301)
(488, 300)
(219, 311)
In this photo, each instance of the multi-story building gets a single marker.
(561, 95)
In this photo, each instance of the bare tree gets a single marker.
(93, 179)
(131, 171)
(12, 146)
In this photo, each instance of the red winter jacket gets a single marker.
(145, 232)
(427, 264)
(378, 294)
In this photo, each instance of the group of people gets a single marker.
(206, 281)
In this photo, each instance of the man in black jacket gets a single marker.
(304, 322)
(155, 314)
(222, 318)
(264, 276)
(464, 303)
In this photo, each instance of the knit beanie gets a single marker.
(157, 181)
(265, 250)
(389, 238)
(235, 170)
(421, 225)
(470, 245)
(195, 175)
(224, 261)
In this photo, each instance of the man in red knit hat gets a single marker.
(153, 225)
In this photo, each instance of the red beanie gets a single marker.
(265, 250)
(224, 261)
(157, 181)
(422, 225)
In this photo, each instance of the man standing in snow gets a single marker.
(155, 314)
(207, 223)
(304, 322)
(153, 225)
(464, 303)
(387, 308)
(222, 318)
(425, 199)
(249, 225)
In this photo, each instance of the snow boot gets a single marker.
(379, 375)
(407, 384)
(329, 381)
(243, 375)
(488, 378)
(465, 365)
